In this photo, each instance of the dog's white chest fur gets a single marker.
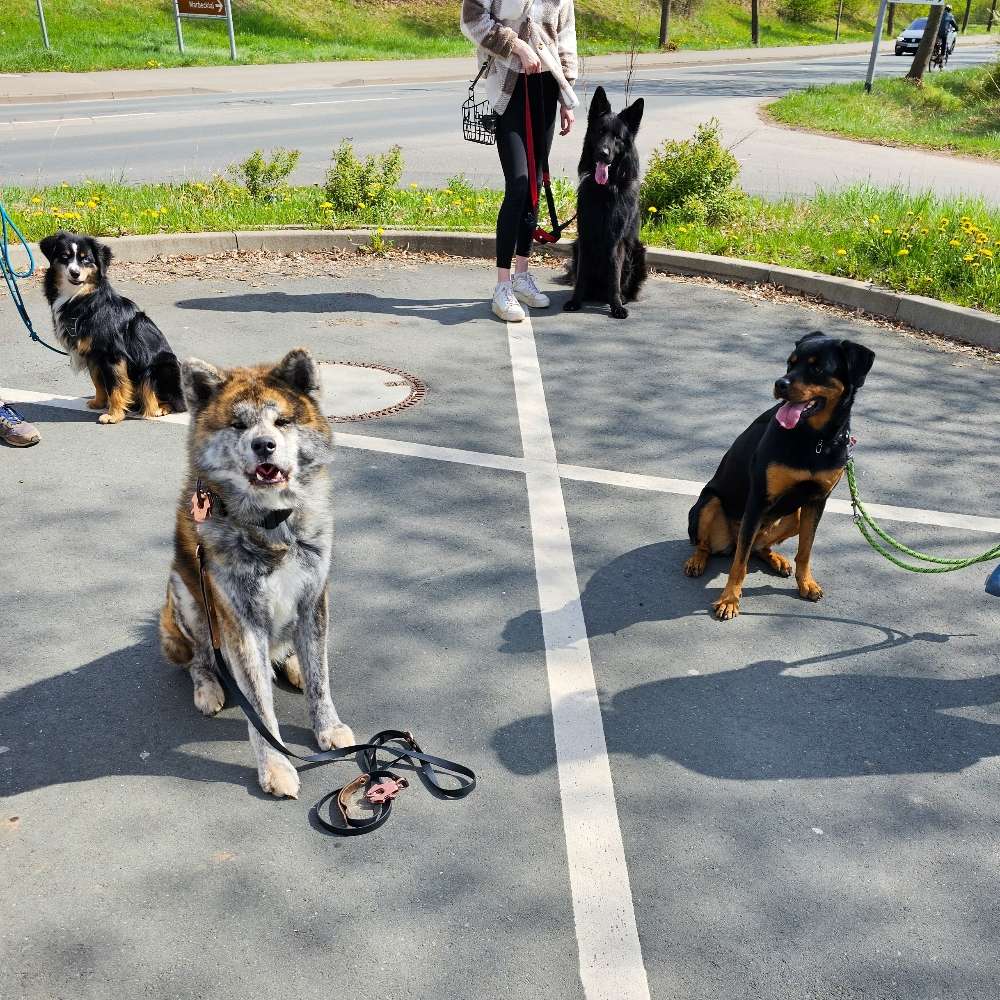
(284, 589)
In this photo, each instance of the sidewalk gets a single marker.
(24, 88)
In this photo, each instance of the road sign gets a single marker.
(205, 9)
(201, 8)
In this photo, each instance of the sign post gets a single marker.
(41, 21)
(876, 39)
(204, 10)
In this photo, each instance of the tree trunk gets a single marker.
(965, 18)
(993, 10)
(926, 47)
(664, 23)
(755, 22)
(892, 19)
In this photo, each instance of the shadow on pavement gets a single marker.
(126, 713)
(448, 312)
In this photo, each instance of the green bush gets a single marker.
(265, 178)
(368, 184)
(693, 178)
(805, 11)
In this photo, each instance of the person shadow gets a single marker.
(763, 720)
(128, 712)
(448, 312)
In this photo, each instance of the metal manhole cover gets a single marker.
(358, 390)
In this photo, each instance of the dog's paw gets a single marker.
(726, 608)
(111, 418)
(778, 563)
(278, 778)
(160, 412)
(293, 672)
(619, 312)
(695, 566)
(209, 697)
(96, 404)
(335, 736)
(571, 306)
(810, 590)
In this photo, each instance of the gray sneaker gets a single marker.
(15, 430)
(528, 292)
(505, 305)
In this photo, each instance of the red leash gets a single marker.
(541, 235)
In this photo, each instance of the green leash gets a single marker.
(867, 525)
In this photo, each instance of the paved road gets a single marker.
(804, 800)
(190, 136)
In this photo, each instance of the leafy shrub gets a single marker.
(353, 183)
(805, 11)
(693, 178)
(262, 177)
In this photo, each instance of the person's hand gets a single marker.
(530, 62)
(566, 119)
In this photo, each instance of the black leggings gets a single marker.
(517, 218)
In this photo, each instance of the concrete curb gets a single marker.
(971, 326)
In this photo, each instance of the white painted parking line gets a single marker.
(611, 966)
(578, 473)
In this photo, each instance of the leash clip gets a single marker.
(201, 504)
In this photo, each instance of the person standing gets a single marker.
(526, 44)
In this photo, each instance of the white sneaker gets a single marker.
(505, 305)
(528, 292)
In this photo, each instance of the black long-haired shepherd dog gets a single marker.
(609, 261)
(128, 358)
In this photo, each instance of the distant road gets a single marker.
(194, 135)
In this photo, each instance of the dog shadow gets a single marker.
(447, 312)
(644, 585)
(128, 712)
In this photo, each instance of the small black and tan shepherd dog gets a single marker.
(774, 481)
(128, 358)
(258, 455)
(609, 261)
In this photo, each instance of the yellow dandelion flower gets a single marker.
(36, 201)
(903, 253)
(326, 204)
(841, 252)
(682, 229)
(361, 205)
(91, 203)
(986, 252)
(943, 222)
(968, 256)
(876, 218)
(954, 243)
(413, 184)
(652, 210)
(924, 232)
(888, 232)
(447, 191)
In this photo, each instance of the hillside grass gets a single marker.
(111, 34)
(944, 248)
(956, 111)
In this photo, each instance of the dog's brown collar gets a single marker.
(204, 503)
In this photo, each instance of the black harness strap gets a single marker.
(400, 745)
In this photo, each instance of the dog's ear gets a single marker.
(102, 253)
(632, 115)
(298, 370)
(858, 361)
(808, 337)
(599, 105)
(200, 381)
(50, 245)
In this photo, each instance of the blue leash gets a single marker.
(11, 274)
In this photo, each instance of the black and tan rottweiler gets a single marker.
(774, 481)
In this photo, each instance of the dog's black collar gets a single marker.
(836, 442)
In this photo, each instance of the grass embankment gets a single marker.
(957, 111)
(110, 34)
(947, 249)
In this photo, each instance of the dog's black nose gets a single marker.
(264, 446)
(782, 386)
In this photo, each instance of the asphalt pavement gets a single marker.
(799, 803)
(178, 136)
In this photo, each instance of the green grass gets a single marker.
(952, 247)
(957, 111)
(112, 34)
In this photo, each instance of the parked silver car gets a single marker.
(909, 39)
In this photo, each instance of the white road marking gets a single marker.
(578, 473)
(358, 100)
(611, 966)
(84, 118)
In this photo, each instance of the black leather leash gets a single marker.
(380, 783)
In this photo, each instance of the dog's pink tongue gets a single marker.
(601, 173)
(789, 414)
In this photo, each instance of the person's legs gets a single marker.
(14, 429)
